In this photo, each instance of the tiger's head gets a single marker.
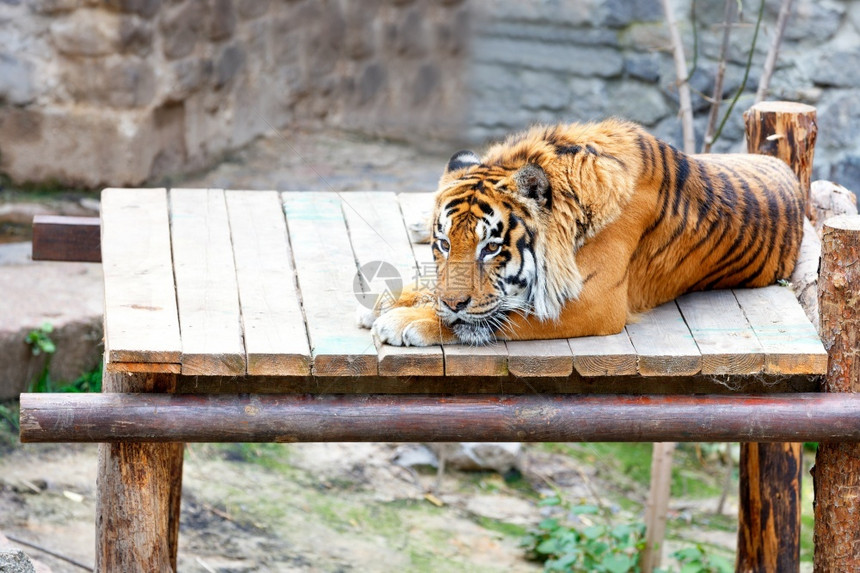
(483, 244)
(505, 230)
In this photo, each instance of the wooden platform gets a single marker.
(228, 283)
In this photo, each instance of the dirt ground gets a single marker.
(323, 507)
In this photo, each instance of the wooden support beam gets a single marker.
(139, 491)
(116, 417)
(836, 475)
(769, 520)
(58, 238)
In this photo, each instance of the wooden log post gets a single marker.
(786, 130)
(770, 474)
(139, 491)
(836, 475)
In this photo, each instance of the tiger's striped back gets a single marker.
(720, 221)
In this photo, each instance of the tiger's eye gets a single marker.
(490, 249)
(444, 245)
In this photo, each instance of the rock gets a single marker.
(542, 90)
(181, 28)
(229, 63)
(135, 36)
(621, 13)
(814, 21)
(144, 8)
(16, 80)
(837, 69)
(249, 9)
(593, 61)
(54, 6)
(645, 67)
(118, 148)
(15, 561)
(641, 103)
(500, 457)
(416, 456)
(86, 32)
(189, 75)
(841, 200)
(222, 19)
(115, 81)
(838, 124)
(412, 41)
(70, 300)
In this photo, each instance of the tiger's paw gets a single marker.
(409, 297)
(410, 327)
(365, 316)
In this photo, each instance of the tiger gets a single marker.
(576, 229)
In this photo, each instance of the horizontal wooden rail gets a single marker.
(58, 238)
(533, 418)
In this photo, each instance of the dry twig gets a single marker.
(770, 61)
(684, 98)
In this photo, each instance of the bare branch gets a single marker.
(684, 98)
(717, 98)
(770, 61)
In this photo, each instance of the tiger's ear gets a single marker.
(461, 159)
(533, 183)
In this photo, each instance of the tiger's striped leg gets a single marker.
(409, 297)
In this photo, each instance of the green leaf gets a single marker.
(547, 547)
(687, 553)
(621, 532)
(593, 532)
(548, 524)
(721, 564)
(547, 501)
(585, 510)
(618, 563)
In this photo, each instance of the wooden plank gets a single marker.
(722, 333)
(276, 342)
(417, 211)
(612, 355)
(381, 247)
(326, 271)
(57, 238)
(144, 367)
(141, 319)
(789, 340)
(206, 289)
(539, 358)
(488, 360)
(664, 343)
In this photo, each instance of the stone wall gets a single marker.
(121, 92)
(580, 60)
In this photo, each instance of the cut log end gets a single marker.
(843, 223)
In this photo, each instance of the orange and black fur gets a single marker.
(570, 230)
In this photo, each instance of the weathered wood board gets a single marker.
(273, 326)
(327, 270)
(664, 344)
(722, 333)
(141, 319)
(206, 291)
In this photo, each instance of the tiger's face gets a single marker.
(484, 244)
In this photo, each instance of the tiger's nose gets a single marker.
(456, 303)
